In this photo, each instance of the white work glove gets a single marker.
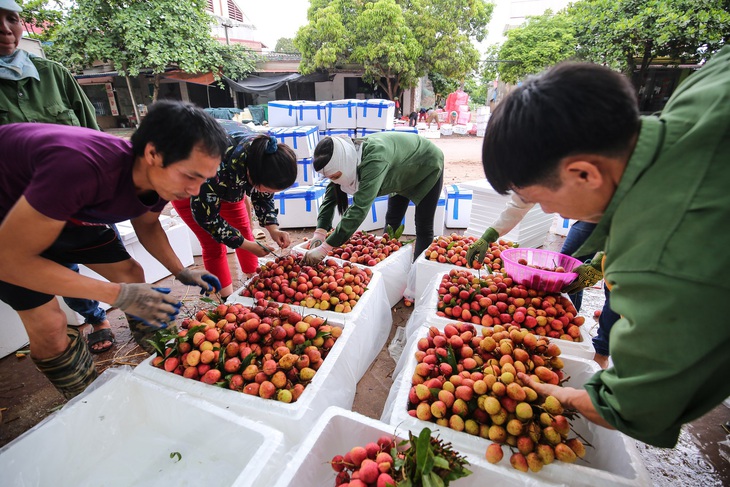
(198, 277)
(318, 238)
(315, 256)
(151, 305)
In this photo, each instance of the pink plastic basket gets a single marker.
(540, 280)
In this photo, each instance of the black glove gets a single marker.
(479, 249)
(589, 273)
(196, 277)
(151, 305)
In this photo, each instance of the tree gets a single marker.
(136, 35)
(630, 34)
(540, 42)
(286, 45)
(42, 15)
(396, 41)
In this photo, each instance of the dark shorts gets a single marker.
(77, 244)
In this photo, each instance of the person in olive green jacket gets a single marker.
(406, 166)
(572, 140)
(37, 90)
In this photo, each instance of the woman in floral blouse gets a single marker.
(254, 165)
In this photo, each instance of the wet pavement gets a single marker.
(701, 458)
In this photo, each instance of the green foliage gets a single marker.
(286, 44)
(476, 86)
(442, 86)
(428, 461)
(629, 34)
(540, 42)
(396, 41)
(41, 13)
(136, 35)
(490, 64)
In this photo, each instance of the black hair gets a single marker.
(571, 108)
(277, 169)
(174, 128)
(322, 155)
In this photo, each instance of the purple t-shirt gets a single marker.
(70, 173)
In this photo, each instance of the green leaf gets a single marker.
(399, 232)
(177, 455)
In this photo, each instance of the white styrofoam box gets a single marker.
(376, 114)
(458, 206)
(481, 126)
(481, 132)
(342, 114)
(463, 118)
(374, 220)
(298, 207)
(352, 133)
(487, 206)
(394, 270)
(422, 272)
(482, 119)
(438, 218)
(366, 132)
(561, 226)
(282, 113)
(312, 113)
(306, 175)
(460, 129)
(405, 128)
(338, 430)
(447, 129)
(429, 134)
(302, 139)
(482, 111)
(143, 425)
(612, 460)
(421, 126)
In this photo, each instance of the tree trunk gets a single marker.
(156, 91)
(131, 95)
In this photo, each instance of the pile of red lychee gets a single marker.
(366, 248)
(451, 249)
(325, 286)
(371, 465)
(267, 351)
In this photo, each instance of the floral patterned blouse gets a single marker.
(231, 184)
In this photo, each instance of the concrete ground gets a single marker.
(700, 458)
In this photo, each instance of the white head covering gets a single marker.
(345, 158)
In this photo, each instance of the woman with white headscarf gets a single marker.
(405, 166)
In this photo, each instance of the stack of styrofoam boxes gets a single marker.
(302, 139)
(561, 226)
(375, 115)
(299, 206)
(458, 206)
(487, 206)
(464, 115)
(447, 129)
(405, 128)
(169, 438)
(409, 221)
(482, 119)
(612, 460)
(342, 114)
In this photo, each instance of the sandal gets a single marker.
(258, 234)
(99, 337)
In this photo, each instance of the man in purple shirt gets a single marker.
(59, 188)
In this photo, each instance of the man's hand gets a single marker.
(281, 238)
(151, 305)
(315, 256)
(479, 249)
(589, 273)
(318, 238)
(202, 278)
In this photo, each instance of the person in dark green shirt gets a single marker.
(572, 140)
(405, 166)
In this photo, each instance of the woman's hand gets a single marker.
(281, 238)
(254, 248)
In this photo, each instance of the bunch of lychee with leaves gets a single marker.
(422, 460)
(268, 351)
(369, 249)
(494, 299)
(325, 286)
(469, 382)
(452, 249)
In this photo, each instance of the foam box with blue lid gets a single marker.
(298, 207)
(366, 132)
(283, 113)
(405, 128)
(352, 133)
(376, 114)
(312, 113)
(342, 114)
(127, 430)
(458, 206)
(438, 218)
(611, 460)
(338, 430)
(302, 139)
(374, 220)
(306, 175)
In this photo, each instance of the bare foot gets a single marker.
(601, 360)
(106, 343)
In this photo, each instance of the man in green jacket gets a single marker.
(572, 140)
(406, 166)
